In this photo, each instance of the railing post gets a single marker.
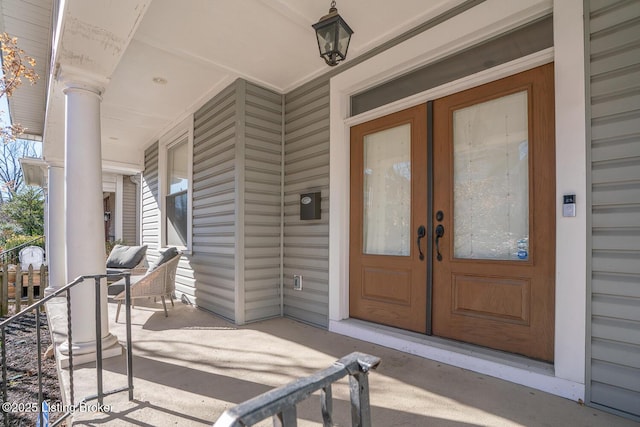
(326, 402)
(286, 418)
(39, 350)
(70, 341)
(360, 408)
(359, 390)
(4, 376)
(127, 308)
(99, 342)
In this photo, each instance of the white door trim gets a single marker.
(484, 21)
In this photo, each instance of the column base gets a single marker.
(86, 352)
(49, 290)
(82, 353)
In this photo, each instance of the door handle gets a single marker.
(439, 233)
(421, 233)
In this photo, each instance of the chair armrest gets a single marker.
(160, 281)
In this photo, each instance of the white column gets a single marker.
(55, 228)
(85, 242)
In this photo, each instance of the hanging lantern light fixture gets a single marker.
(333, 36)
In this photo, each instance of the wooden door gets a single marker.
(387, 272)
(494, 198)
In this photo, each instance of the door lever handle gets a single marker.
(439, 233)
(421, 233)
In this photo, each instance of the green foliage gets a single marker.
(7, 230)
(26, 211)
(16, 240)
(20, 239)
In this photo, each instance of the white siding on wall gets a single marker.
(614, 71)
(306, 243)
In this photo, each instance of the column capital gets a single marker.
(77, 78)
(57, 163)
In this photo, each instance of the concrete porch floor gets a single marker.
(191, 366)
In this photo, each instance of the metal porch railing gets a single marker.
(280, 403)
(72, 406)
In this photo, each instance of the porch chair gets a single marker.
(158, 281)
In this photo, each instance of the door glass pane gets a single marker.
(387, 192)
(491, 179)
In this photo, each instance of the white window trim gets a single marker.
(185, 128)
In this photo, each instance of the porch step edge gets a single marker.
(505, 366)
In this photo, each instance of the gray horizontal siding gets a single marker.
(150, 223)
(614, 93)
(234, 268)
(129, 211)
(262, 210)
(214, 210)
(306, 243)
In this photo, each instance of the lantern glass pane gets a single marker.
(343, 41)
(326, 41)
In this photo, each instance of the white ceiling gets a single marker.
(199, 47)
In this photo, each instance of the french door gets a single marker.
(490, 218)
(387, 261)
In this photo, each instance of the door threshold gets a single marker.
(510, 367)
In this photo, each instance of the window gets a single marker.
(176, 198)
(176, 162)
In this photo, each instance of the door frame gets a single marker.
(568, 374)
(340, 163)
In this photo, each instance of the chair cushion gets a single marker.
(164, 257)
(126, 256)
(115, 288)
